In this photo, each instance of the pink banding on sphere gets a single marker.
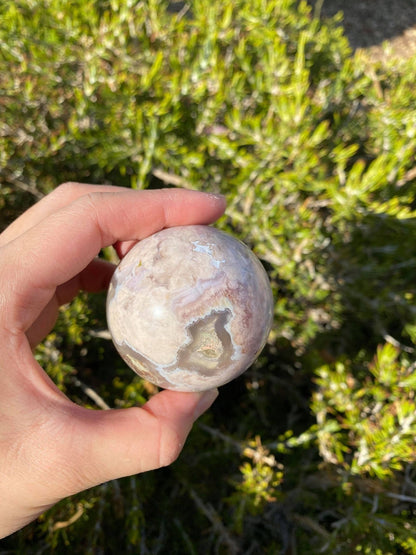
(190, 308)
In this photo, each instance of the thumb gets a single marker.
(52, 448)
(121, 442)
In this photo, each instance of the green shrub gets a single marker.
(312, 449)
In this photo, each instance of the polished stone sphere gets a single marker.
(189, 308)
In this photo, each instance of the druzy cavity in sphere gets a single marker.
(189, 308)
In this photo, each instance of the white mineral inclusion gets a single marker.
(189, 308)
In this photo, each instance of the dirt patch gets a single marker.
(382, 28)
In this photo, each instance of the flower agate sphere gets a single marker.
(189, 308)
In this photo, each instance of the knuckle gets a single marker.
(171, 445)
(67, 192)
(90, 202)
(68, 189)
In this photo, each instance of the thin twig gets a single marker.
(310, 524)
(408, 176)
(65, 523)
(25, 187)
(93, 395)
(101, 334)
(389, 339)
(171, 178)
(237, 445)
(400, 497)
(211, 514)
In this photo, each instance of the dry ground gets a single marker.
(370, 23)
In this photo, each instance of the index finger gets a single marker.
(59, 247)
(57, 199)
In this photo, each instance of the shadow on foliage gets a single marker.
(372, 265)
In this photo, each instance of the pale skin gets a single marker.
(51, 448)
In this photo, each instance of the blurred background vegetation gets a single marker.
(312, 450)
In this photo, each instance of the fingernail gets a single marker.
(217, 196)
(205, 401)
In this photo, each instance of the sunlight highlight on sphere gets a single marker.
(190, 308)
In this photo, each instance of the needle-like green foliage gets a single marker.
(312, 450)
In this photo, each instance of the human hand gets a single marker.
(51, 448)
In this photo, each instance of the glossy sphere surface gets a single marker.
(189, 308)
